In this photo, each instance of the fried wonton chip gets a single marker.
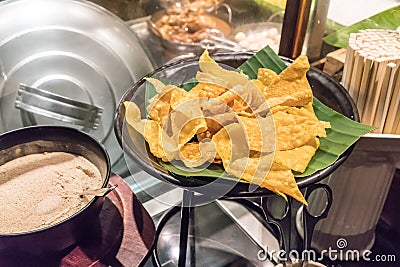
(213, 126)
(246, 99)
(164, 101)
(149, 129)
(206, 90)
(309, 107)
(260, 133)
(208, 78)
(209, 66)
(283, 183)
(294, 128)
(230, 145)
(186, 121)
(239, 105)
(197, 153)
(266, 76)
(255, 170)
(297, 159)
(291, 87)
(223, 146)
(165, 147)
(191, 151)
(258, 171)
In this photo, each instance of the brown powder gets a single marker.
(39, 190)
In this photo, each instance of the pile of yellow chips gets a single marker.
(260, 130)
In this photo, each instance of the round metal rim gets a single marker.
(74, 131)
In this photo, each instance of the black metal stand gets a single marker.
(283, 222)
(186, 210)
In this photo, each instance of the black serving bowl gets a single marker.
(327, 90)
(62, 236)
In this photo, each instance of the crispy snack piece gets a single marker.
(291, 87)
(210, 67)
(295, 127)
(255, 167)
(149, 129)
(195, 154)
(166, 147)
(283, 183)
(260, 133)
(164, 101)
(266, 76)
(298, 158)
(206, 90)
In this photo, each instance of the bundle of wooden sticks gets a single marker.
(370, 75)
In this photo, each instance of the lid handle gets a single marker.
(41, 102)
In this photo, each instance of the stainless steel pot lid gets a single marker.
(77, 51)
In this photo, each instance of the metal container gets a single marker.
(222, 28)
(39, 139)
(75, 49)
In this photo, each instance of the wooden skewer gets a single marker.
(356, 75)
(364, 85)
(393, 109)
(367, 116)
(389, 97)
(383, 95)
(397, 131)
(348, 67)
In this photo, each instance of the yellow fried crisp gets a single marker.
(297, 158)
(149, 129)
(164, 101)
(283, 183)
(260, 133)
(291, 87)
(191, 151)
(255, 169)
(266, 76)
(210, 67)
(294, 129)
(206, 90)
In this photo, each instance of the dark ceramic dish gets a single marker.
(327, 90)
(59, 237)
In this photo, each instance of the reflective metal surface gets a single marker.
(72, 48)
(33, 100)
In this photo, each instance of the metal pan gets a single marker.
(221, 26)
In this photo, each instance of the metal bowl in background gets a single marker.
(40, 139)
(75, 49)
(324, 88)
(222, 29)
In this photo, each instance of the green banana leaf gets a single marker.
(213, 171)
(388, 20)
(343, 134)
